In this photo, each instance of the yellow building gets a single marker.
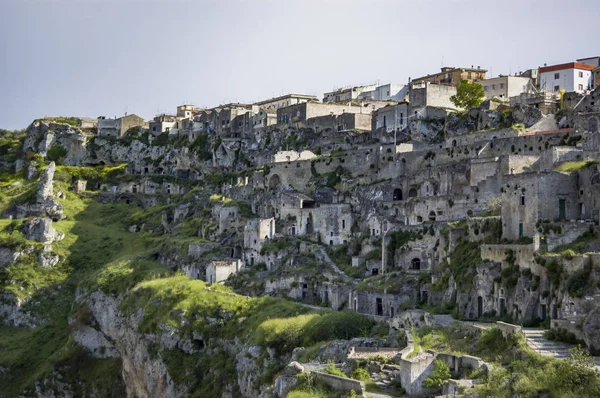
(596, 77)
(452, 76)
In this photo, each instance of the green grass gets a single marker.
(570, 167)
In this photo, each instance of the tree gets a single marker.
(56, 154)
(440, 373)
(468, 95)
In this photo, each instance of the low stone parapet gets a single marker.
(508, 329)
(341, 383)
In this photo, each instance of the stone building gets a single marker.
(391, 118)
(163, 124)
(286, 100)
(219, 271)
(452, 76)
(506, 86)
(118, 127)
(425, 94)
(531, 197)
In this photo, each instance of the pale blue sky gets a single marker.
(92, 57)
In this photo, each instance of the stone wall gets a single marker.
(341, 383)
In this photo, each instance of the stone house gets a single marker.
(219, 271)
(285, 100)
(425, 94)
(506, 86)
(452, 76)
(257, 232)
(391, 118)
(118, 127)
(529, 197)
(163, 124)
(301, 113)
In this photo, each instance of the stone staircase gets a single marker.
(539, 343)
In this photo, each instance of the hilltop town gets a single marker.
(363, 239)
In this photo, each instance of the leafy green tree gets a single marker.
(56, 154)
(441, 372)
(468, 95)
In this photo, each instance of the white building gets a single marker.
(347, 94)
(373, 92)
(573, 76)
(506, 86)
(391, 117)
(219, 271)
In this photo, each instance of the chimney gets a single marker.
(478, 67)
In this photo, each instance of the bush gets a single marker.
(343, 325)
(361, 374)
(56, 154)
(441, 373)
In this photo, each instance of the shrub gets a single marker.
(441, 373)
(361, 374)
(56, 154)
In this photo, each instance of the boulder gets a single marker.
(31, 172)
(293, 368)
(41, 230)
(47, 259)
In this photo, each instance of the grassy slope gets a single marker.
(99, 252)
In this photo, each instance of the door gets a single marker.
(543, 312)
(520, 230)
(379, 305)
(479, 307)
(562, 209)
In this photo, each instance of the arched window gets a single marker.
(412, 193)
(432, 215)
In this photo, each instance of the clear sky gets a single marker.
(106, 57)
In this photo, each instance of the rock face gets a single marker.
(40, 229)
(591, 329)
(112, 334)
(12, 314)
(51, 207)
(143, 375)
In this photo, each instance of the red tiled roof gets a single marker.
(570, 65)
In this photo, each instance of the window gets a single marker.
(580, 74)
(485, 88)
(557, 76)
(556, 88)
(493, 86)
(501, 85)
(402, 117)
(522, 200)
(469, 75)
(580, 87)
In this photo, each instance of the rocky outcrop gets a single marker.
(43, 135)
(12, 313)
(591, 329)
(40, 229)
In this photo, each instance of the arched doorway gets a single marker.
(479, 307)
(274, 181)
(415, 264)
(412, 193)
(397, 194)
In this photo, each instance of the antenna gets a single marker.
(442, 65)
